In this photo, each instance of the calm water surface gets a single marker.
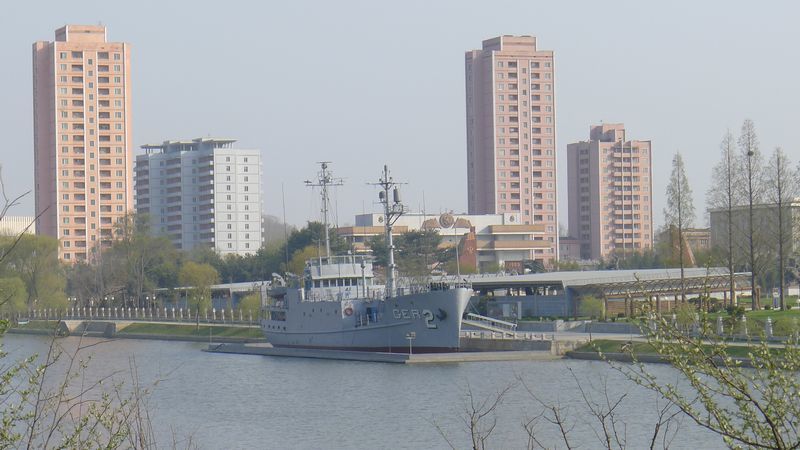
(242, 401)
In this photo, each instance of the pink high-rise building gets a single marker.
(610, 193)
(511, 135)
(82, 138)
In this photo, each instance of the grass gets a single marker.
(191, 330)
(39, 325)
(763, 314)
(643, 348)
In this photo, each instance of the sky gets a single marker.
(368, 83)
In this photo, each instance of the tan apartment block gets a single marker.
(610, 193)
(511, 134)
(82, 138)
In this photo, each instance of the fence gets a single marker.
(212, 315)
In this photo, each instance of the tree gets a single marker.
(592, 307)
(251, 302)
(417, 253)
(34, 259)
(139, 255)
(724, 194)
(298, 262)
(753, 190)
(314, 234)
(12, 295)
(749, 407)
(197, 280)
(275, 230)
(679, 212)
(781, 190)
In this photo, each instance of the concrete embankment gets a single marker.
(117, 330)
(555, 347)
(643, 358)
(395, 358)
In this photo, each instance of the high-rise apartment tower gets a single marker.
(203, 192)
(82, 138)
(511, 135)
(610, 193)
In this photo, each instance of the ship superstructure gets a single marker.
(339, 305)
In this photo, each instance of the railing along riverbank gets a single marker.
(178, 315)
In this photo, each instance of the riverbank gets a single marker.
(382, 357)
(153, 331)
(624, 351)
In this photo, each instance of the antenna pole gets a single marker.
(325, 179)
(392, 210)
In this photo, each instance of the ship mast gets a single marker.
(324, 179)
(392, 210)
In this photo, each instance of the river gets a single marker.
(243, 401)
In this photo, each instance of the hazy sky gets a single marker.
(367, 83)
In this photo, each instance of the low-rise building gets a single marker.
(15, 225)
(499, 239)
(694, 240)
(765, 229)
(569, 248)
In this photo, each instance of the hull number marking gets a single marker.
(425, 315)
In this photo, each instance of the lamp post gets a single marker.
(753, 299)
(411, 335)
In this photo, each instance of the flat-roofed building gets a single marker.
(202, 192)
(83, 150)
(610, 192)
(511, 135)
(499, 239)
(15, 225)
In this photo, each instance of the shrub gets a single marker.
(785, 327)
(735, 311)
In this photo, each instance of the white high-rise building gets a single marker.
(202, 192)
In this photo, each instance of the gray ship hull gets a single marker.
(433, 318)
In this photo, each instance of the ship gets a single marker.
(338, 305)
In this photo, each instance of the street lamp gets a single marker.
(411, 335)
(754, 300)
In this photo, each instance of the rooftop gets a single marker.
(591, 277)
(188, 145)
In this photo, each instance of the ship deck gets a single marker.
(395, 358)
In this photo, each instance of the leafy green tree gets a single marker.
(593, 307)
(417, 253)
(251, 303)
(34, 259)
(12, 295)
(197, 280)
(298, 262)
(139, 256)
(313, 234)
(748, 407)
